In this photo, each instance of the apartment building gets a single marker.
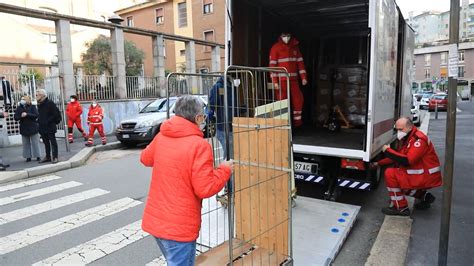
(431, 67)
(432, 27)
(199, 19)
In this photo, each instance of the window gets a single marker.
(182, 52)
(209, 37)
(427, 59)
(461, 71)
(207, 6)
(182, 15)
(159, 16)
(130, 21)
(444, 57)
(427, 73)
(461, 56)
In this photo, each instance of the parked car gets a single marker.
(143, 127)
(415, 112)
(425, 99)
(438, 99)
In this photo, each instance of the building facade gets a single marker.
(199, 19)
(432, 27)
(431, 67)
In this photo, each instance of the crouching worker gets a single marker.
(415, 169)
(94, 120)
(183, 175)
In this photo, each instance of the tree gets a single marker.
(98, 57)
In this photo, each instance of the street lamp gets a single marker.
(116, 19)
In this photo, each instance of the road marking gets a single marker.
(38, 192)
(29, 182)
(160, 261)
(99, 247)
(50, 205)
(458, 110)
(41, 232)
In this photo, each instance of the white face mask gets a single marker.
(22, 102)
(202, 125)
(401, 134)
(73, 100)
(94, 105)
(286, 39)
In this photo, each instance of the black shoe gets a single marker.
(2, 168)
(104, 143)
(88, 144)
(28, 159)
(4, 165)
(55, 160)
(395, 211)
(38, 159)
(45, 160)
(425, 203)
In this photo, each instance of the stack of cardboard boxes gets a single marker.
(348, 85)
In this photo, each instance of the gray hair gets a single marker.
(41, 92)
(188, 107)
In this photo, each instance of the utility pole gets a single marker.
(450, 133)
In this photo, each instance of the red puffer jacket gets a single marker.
(183, 175)
(73, 110)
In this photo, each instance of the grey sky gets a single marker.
(424, 5)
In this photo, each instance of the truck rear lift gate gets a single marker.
(320, 229)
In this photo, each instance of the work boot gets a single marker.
(55, 160)
(394, 211)
(425, 202)
(2, 168)
(28, 160)
(88, 144)
(45, 160)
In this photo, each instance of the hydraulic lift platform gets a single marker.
(319, 229)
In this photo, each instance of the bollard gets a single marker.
(436, 110)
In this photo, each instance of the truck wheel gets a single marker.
(375, 177)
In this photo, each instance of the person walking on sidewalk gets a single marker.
(27, 114)
(74, 112)
(49, 117)
(183, 175)
(94, 120)
(416, 168)
(3, 166)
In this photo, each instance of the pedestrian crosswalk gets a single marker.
(37, 203)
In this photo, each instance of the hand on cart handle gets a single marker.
(229, 163)
(304, 82)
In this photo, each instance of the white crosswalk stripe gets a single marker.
(99, 247)
(41, 232)
(28, 183)
(50, 205)
(38, 192)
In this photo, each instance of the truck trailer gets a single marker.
(359, 60)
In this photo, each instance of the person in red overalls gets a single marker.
(416, 169)
(94, 120)
(286, 53)
(74, 112)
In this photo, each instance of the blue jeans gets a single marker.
(177, 253)
(221, 137)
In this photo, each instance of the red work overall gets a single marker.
(74, 112)
(289, 57)
(94, 118)
(423, 171)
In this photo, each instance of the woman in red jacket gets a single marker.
(183, 174)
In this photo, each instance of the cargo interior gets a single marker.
(333, 38)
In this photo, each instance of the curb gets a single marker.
(391, 245)
(77, 160)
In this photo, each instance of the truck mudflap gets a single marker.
(354, 184)
(309, 178)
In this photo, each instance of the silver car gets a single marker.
(425, 99)
(143, 127)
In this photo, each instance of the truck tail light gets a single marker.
(352, 164)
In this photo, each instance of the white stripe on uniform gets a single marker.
(28, 183)
(99, 247)
(50, 205)
(38, 192)
(41, 232)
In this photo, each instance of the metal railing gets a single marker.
(94, 87)
(143, 87)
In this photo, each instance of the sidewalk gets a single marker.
(13, 155)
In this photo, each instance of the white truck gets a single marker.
(359, 59)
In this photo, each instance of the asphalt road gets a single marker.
(423, 249)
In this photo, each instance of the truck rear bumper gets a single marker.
(341, 182)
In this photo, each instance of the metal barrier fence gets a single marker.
(248, 222)
(99, 87)
(143, 87)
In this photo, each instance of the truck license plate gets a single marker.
(307, 168)
(126, 136)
